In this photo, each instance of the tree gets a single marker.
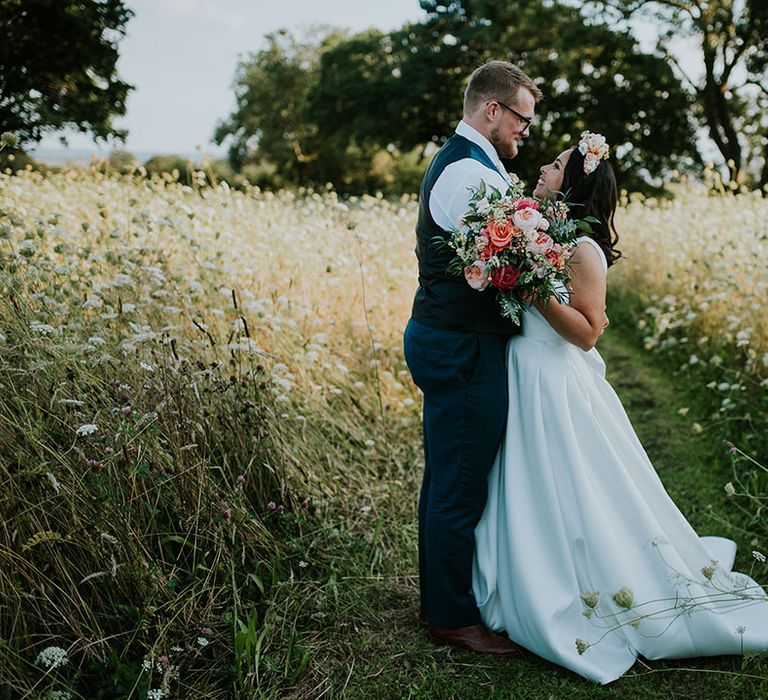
(732, 94)
(57, 66)
(269, 122)
(406, 87)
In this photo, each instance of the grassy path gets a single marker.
(376, 648)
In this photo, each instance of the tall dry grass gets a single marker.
(197, 386)
(256, 451)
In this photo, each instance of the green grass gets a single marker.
(362, 630)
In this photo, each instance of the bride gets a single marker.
(581, 556)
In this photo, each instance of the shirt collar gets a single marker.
(472, 134)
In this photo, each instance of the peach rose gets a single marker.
(475, 275)
(539, 243)
(527, 219)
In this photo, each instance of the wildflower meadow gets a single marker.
(211, 445)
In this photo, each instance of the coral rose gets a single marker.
(557, 260)
(506, 277)
(500, 233)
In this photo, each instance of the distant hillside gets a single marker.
(73, 156)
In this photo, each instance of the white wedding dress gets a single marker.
(576, 509)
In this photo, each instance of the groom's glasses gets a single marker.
(526, 120)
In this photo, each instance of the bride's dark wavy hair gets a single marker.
(595, 195)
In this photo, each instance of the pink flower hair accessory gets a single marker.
(594, 149)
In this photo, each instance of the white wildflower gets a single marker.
(203, 641)
(52, 657)
(155, 694)
(759, 556)
(87, 429)
(58, 695)
(27, 248)
(54, 482)
(582, 646)
(624, 598)
(41, 327)
(729, 489)
(147, 367)
(303, 564)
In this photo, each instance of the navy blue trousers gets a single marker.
(464, 381)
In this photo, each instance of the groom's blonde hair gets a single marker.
(500, 80)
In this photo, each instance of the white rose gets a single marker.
(483, 206)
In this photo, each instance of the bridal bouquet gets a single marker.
(520, 245)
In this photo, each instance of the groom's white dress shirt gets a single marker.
(450, 195)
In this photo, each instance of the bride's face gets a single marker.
(551, 178)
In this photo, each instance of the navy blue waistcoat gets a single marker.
(443, 300)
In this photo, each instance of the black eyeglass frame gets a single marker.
(526, 120)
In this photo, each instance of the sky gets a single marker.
(181, 57)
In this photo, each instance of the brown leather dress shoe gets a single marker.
(475, 638)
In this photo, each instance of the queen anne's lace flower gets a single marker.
(52, 657)
(594, 148)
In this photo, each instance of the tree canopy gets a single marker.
(58, 66)
(731, 96)
(351, 97)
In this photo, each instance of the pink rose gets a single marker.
(475, 275)
(539, 243)
(505, 277)
(527, 219)
(527, 203)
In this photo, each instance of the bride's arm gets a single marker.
(581, 321)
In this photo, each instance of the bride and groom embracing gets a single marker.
(542, 523)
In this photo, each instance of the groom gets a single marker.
(455, 345)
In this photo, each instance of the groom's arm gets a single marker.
(451, 194)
